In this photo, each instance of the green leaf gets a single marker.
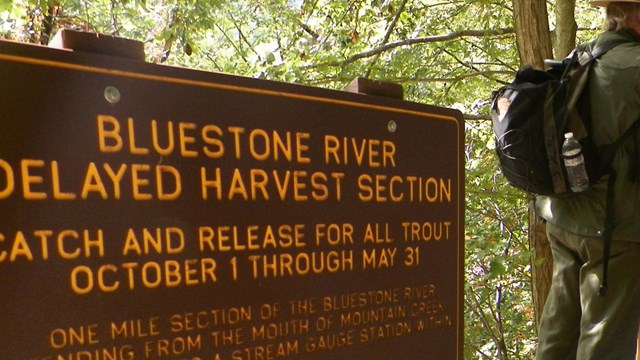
(6, 5)
(271, 58)
(496, 268)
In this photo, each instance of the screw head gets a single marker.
(392, 126)
(112, 94)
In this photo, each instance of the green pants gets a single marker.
(577, 323)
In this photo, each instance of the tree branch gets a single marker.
(486, 74)
(476, 308)
(407, 42)
(387, 35)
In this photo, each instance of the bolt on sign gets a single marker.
(154, 212)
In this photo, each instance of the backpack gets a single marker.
(531, 115)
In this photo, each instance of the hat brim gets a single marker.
(607, 2)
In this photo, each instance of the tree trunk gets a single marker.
(532, 32)
(566, 27)
(533, 40)
(542, 267)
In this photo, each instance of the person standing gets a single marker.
(579, 321)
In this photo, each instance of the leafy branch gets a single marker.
(387, 35)
(408, 42)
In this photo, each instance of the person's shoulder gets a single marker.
(621, 40)
(625, 52)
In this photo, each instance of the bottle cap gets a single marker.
(568, 135)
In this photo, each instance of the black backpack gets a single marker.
(532, 114)
(530, 117)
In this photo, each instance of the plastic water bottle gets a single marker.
(574, 163)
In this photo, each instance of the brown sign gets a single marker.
(152, 212)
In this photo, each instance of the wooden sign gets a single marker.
(152, 212)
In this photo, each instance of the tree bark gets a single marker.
(533, 40)
(542, 267)
(566, 27)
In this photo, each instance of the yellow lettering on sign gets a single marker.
(257, 184)
(380, 332)
(426, 231)
(269, 351)
(364, 152)
(377, 233)
(119, 352)
(275, 330)
(55, 177)
(210, 136)
(170, 240)
(29, 179)
(190, 139)
(116, 179)
(132, 140)
(178, 346)
(419, 292)
(162, 172)
(186, 138)
(150, 275)
(236, 131)
(300, 264)
(93, 183)
(155, 139)
(227, 337)
(66, 244)
(109, 138)
(258, 152)
(237, 186)
(190, 321)
(323, 342)
(378, 258)
(136, 328)
(302, 148)
(138, 181)
(20, 248)
(384, 188)
(9, 180)
(334, 234)
(42, 180)
(61, 338)
(232, 238)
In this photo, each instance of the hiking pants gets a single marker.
(577, 323)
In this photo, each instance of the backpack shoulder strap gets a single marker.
(601, 49)
(594, 50)
(577, 69)
(590, 49)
